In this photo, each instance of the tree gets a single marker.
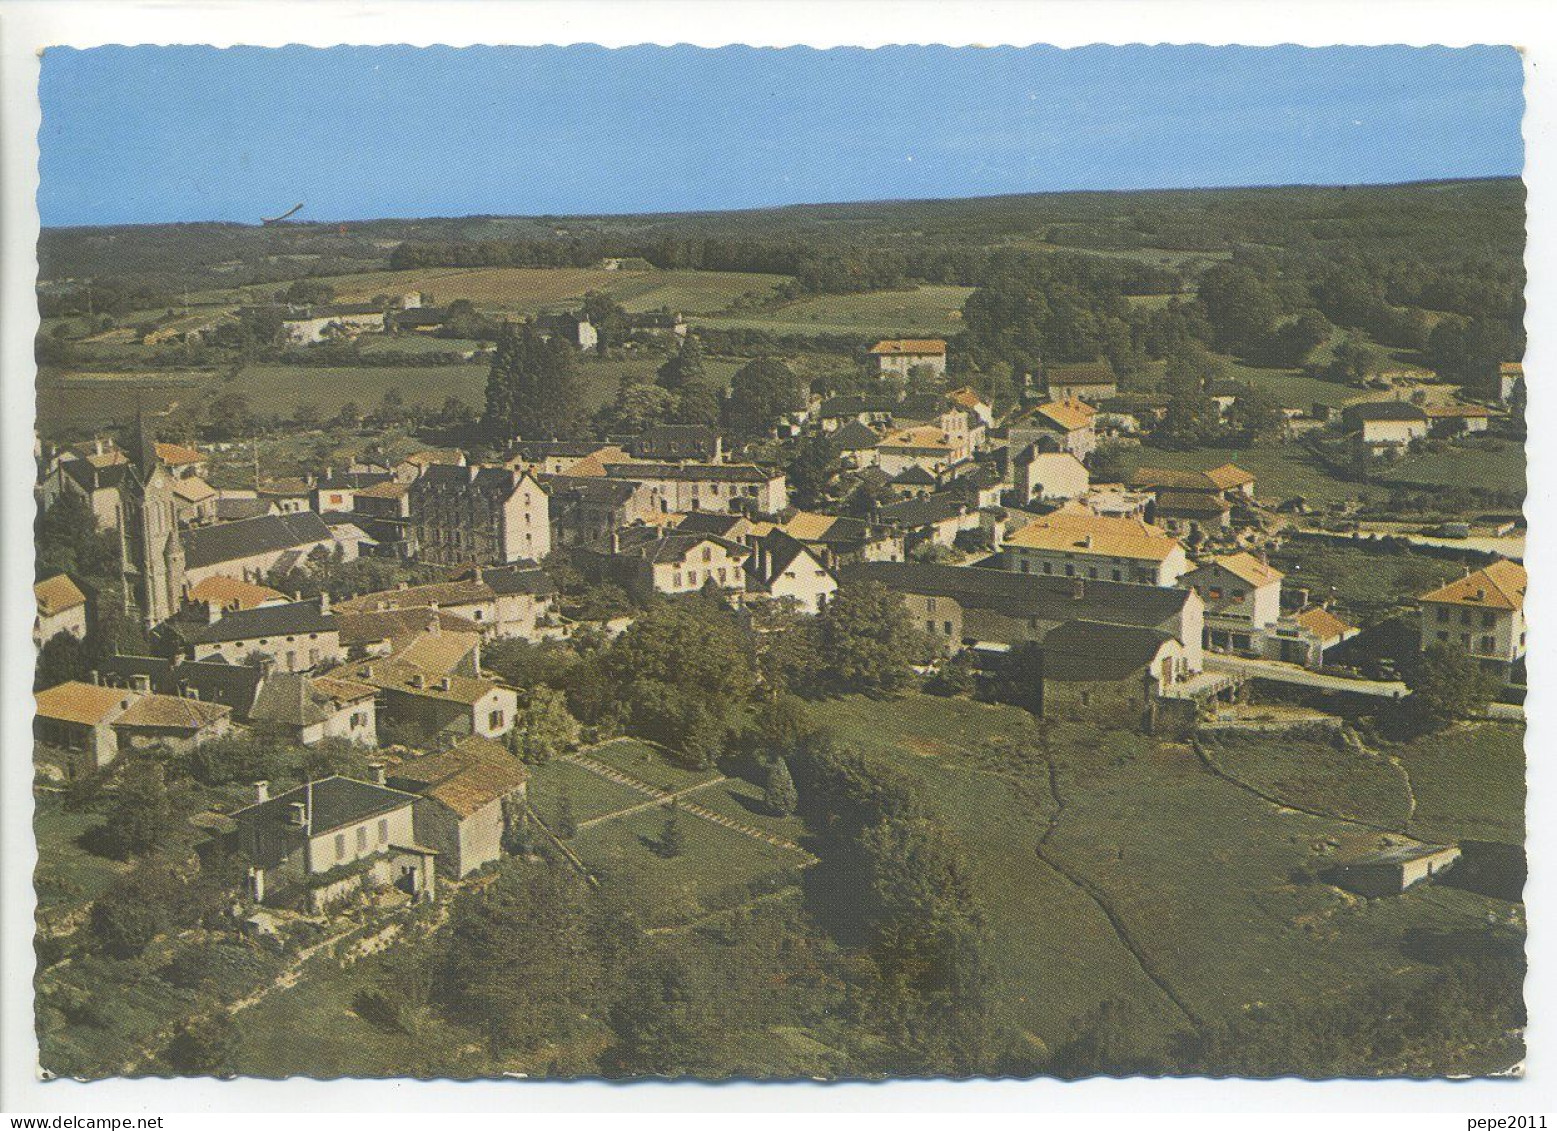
(697, 403)
(129, 915)
(673, 838)
(1240, 306)
(1445, 685)
(637, 406)
(522, 960)
(567, 823)
(67, 540)
(812, 470)
(533, 389)
(231, 416)
(779, 795)
(63, 657)
(610, 320)
(1355, 359)
(659, 1024)
(760, 393)
(867, 642)
(1256, 414)
(544, 728)
(683, 368)
(142, 815)
(203, 1047)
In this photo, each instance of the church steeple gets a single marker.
(143, 443)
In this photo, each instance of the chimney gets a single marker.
(380, 775)
(97, 446)
(616, 542)
(475, 575)
(297, 814)
(435, 624)
(403, 585)
(140, 682)
(444, 684)
(416, 680)
(1079, 590)
(261, 791)
(329, 472)
(324, 604)
(97, 678)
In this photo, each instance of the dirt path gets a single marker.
(1210, 763)
(1100, 899)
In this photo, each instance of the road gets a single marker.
(1302, 677)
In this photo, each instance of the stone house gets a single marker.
(678, 487)
(468, 799)
(1085, 381)
(1057, 426)
(433, 705)
(478, 515)
(973, 606)
(1048, 476)
(1385, 425)
(329, 840)
(783, 568)
(178, 723)
(296, 636)
(311, 709)
(250, 549)
(1243, 601)
(644, 560)
(77, 720)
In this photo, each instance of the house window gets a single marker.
(929, 626)
(1048, 567)
(383, 830)
(495, 720)
(1070, 570)
(1092, 573)
(721, 575)
(692, 577)
(708, 554)
(1025, 567)
(1488, 644)
(1488, 619)
(675, 580)
(948, 628)
(1215, 593)
(362, 838)
(340, 846)
(1443, 615)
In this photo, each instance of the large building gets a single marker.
(1074, 542)
(971, 605)
(679, 487)
(1481, 615)
(900, 357)
(250, 549)
(1243, 601)
(476, 515)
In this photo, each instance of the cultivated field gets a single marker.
(527, 290)
(923, 311)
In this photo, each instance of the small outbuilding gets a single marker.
(1391, 870)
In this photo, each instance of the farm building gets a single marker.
(901, 356)
(1392, 870)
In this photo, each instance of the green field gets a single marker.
(645, 763)
(95, 399)
(1317, 774)
(528, 290)
(1199, 872)
(1294, 389)
(1502, 469)
(589, 795)
(1281, 471)
(1469, 783)
(711, 873)
(922, 312)
(1361, 578)
(68, 875)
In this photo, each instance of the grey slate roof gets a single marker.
(696, 472)
(336, 801)
(914, 513)
(1027, 594)
(291, 619)
(230, 541)
(1099, 650)
(519, 578)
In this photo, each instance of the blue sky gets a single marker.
(152, 134)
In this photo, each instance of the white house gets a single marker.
(901, 356)
(1048, 475)
(1481, 615)
(1243, 601)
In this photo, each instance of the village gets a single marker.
(1020, 560)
